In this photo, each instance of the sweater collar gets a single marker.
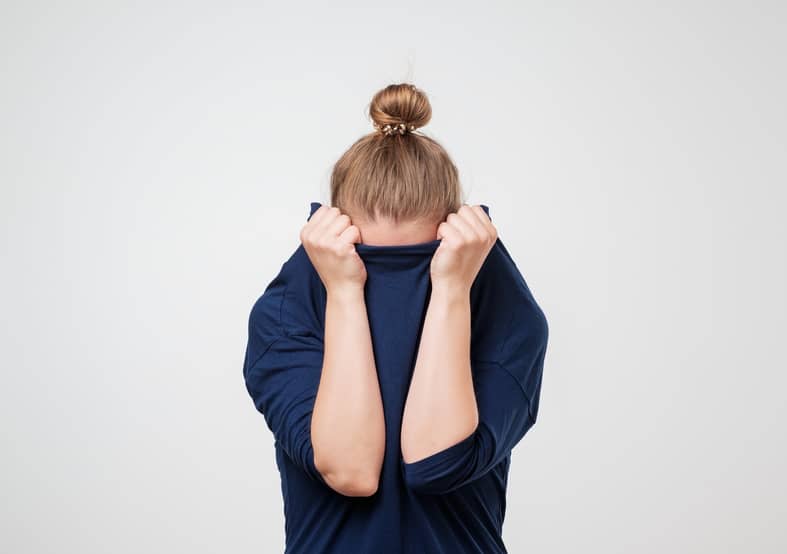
(414, 250)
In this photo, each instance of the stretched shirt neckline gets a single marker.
(427, 247)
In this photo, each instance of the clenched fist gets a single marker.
(328, 238)
(467, 237)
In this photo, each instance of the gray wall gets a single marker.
(157, 162)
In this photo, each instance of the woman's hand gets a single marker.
(467, 237)
(329, 238)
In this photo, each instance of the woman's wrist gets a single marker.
(349, 292)
(450, 291)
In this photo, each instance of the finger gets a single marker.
(312, 229)
(470, 215)
(322, 226)
(319, 215)
(338, 225)
(462, 225)
(448, 233)
(486, 222)
(351, 235)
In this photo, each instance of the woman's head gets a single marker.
(396, 173)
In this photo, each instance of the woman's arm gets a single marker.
(348, 427)
(441, 408)
(463, 414)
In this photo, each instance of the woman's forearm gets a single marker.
(441, 409)
(348, 426)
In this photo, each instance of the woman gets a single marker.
(397, 356)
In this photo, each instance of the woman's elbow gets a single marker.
(352, 483)
(355, 480)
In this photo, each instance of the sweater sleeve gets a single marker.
(282, 372)
(507, 391)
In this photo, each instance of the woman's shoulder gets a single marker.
(293, 301)
(506, 317)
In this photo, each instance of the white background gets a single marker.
(157, 161)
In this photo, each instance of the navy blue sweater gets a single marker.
(450, 502)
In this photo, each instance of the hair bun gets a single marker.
(399, 108)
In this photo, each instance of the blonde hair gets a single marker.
(403, 175)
